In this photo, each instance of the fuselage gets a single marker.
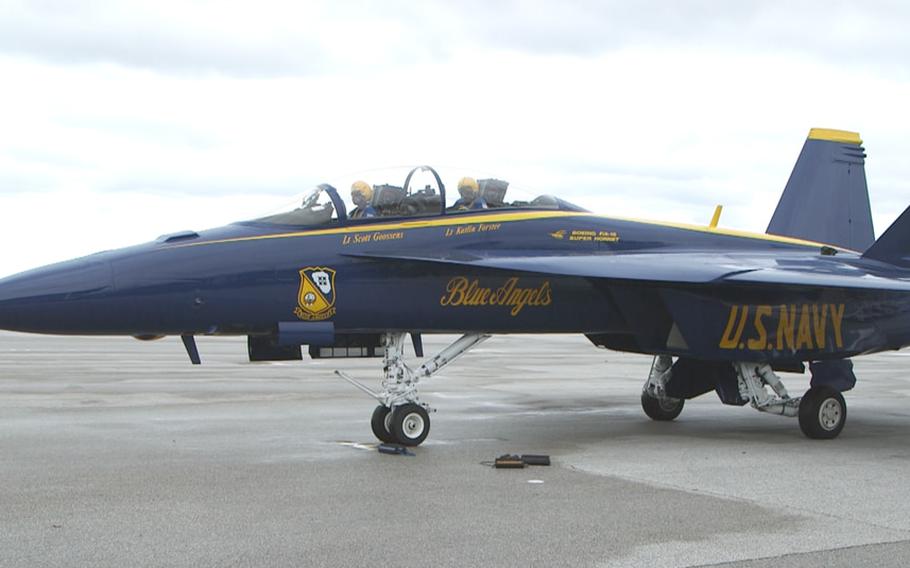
(246, 278)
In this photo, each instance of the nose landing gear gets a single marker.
(400, 417)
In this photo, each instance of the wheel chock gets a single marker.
(508, 462)
(395, 450)
(535, 459)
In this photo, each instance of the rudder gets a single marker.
(826, 199)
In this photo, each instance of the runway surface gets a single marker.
(119, 453)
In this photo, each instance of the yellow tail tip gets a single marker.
(831, 135)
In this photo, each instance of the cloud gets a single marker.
(841, 32)
(266, 39)
(276, 38)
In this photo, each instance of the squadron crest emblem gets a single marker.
(316, 298)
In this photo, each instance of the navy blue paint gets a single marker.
(189, 343)
(628, 294)
(306, 333)
(826, 199)
(835, 374)
(893, 246)
(417, 342)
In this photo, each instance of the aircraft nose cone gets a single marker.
(51, 299)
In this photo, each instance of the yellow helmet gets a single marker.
(468, 183)
(363, 188)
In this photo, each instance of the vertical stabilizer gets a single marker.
(894, 246)
(826, 199)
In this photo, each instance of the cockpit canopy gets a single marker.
(422, 192)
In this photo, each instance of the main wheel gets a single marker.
(410, 424)
(380, 423)
(661, 409)
(822, 413)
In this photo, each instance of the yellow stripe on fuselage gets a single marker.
(730, 233)
(446, 221)
(469, 219)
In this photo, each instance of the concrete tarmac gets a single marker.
(119, 453)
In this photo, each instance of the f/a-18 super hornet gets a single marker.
(719, 310)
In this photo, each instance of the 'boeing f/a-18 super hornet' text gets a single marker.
(719, 310)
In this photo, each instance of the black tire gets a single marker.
(822, 413)
(410, 424)
(380, 424)
(662, 410)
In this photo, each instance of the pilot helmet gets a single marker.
(362, 189)
(467, 187)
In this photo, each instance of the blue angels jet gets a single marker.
(719, 310)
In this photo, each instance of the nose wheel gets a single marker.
(382, 416)
(408, 424)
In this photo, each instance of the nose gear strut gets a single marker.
(400, 415)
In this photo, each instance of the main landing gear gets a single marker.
(654, 400)
(822, 411)
(400, 417)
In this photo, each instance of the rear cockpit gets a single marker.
(423, 192)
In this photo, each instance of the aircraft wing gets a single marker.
(677, 267)
(843, 279)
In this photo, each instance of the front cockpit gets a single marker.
(320, 206)
(423, 192)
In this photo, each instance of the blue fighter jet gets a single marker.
(719, 310)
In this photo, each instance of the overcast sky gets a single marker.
(124, 120)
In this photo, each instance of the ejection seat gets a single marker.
(493, 191)
(387, 200)
(423, 202)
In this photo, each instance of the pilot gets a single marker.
(470, 195)
(361, 195)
